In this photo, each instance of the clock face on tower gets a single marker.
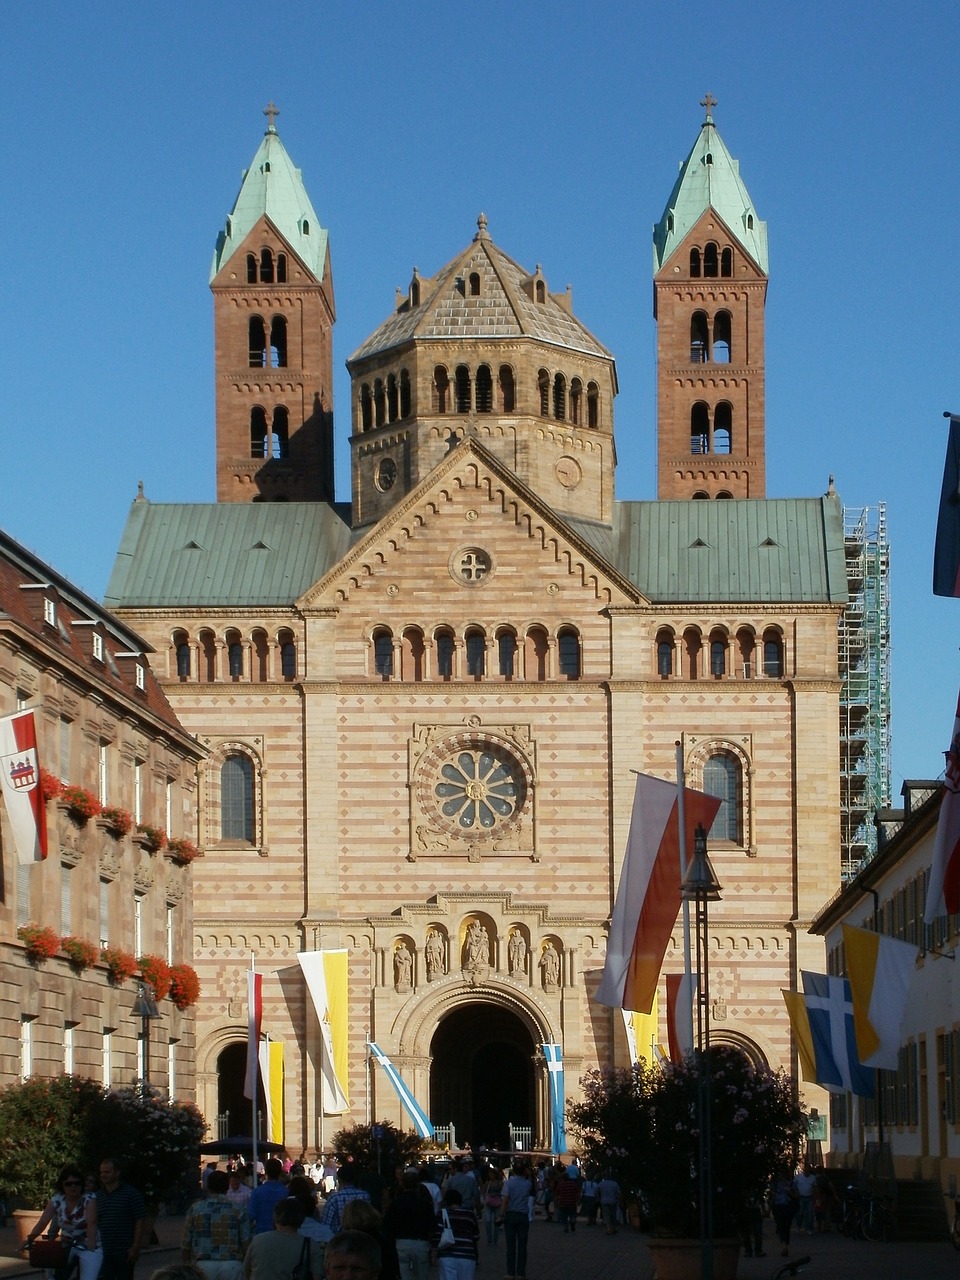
(386, 474)
(568, 472)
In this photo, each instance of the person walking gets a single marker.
(457, 1261)
(216, 1232)
(410, 1222)
(265, 1198)
(783, 1205)
(492, 1204)
(273, 1255)
(608, 1197)
(120, 1215)
(517, 1194)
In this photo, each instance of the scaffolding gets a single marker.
(864, 653)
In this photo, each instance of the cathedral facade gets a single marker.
(422, 709)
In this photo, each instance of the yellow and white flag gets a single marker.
(325, 973)
(880, 970)
(271, 1073)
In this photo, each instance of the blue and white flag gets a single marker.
(413, 1108)
(830, 1014)
(558, 1136)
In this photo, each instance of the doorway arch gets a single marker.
(483, 1074)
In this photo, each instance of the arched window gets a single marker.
(476, 646)
(379, 403)
(281, 268)
(251, 269)
(441, 389)
(484, 389)
(692, 644)
(404, 394)
(507, 654)
(236, 798)
(258, 432)
(568, 653)
(543, 386)
(541, 291)
(280, 435)
(411, 654)
(234, 655)
(182, 649)
(722, 427)
(266, 266)
(718, 654)
(383, 654)
(701, 495)
(721, 778)
(415, 293)
(699, 428)
(257, 342)
(711, 264)
(288, 655)
(208, 651)
(721, 337)
(593, 405)
(463, 388)
(560, 398)
(393, 398)
(278, 342)
(259, 656)
(535, 651)
(665, 647)
(746, 647)
(724, 494)
(507, 389)
(576, 402)
(366, 408)
(695, 267)
(698, 338)
(726, 262)
(474, 284)
(772, 654)
(444, 645)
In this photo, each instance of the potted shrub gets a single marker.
(180, 849)
(81, 953)
(39, 941)
(155, 971)
(83, 804)
(153, 838)
(117, 821)
(120, 964)
(184, 986)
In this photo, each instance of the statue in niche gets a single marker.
(550, 965)
(403, 967)
(478, 946)
(517, 952)
(433, 955)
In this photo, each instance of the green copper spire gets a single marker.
(710, 178)
(273, 186)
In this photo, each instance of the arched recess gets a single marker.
(221, 1061)
(727, 1038)
(697, 759)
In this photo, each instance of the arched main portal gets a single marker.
(482, 1076)
(231, 1077)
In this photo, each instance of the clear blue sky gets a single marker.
(126, 128)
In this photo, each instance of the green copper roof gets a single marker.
(224, 554)
(710, 178)
(273, 186)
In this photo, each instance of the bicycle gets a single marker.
(791, 1268)
(876, 1220)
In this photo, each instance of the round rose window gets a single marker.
(479, 788)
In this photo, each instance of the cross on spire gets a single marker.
(708, 102)
(271, 111)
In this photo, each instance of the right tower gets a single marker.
(710, 287)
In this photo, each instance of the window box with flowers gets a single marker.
(50, 786)
(184, 986)
(155, 971)
(120, 965)
(81, 953)
(39, 941)
(153, 839)
(117, 821)
(81, 803)
(180, 849)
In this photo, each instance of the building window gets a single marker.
(404, 394)
(234, 655)
(664, 655)
(257, 342)
(462, 388)
(107, 1057)
(412, 651)
(258, 659)
(383, 654)
(236, 798)
(699, 351)
(104, 913)
(560, 398)
(593, 405)
(543, 386)
(535, 651)
(444, 643)
(49, 611)
(98, 646)
(69, 1055)
(576, 402)
(699, 428)
(711, 259)
(66, 898)
(288, 656)
(278, 342)
(476, 646)
(103, 773)
(65, 736)
(507, 654)
(568, 654)
(441, 389)
(168, 806)
(172, 1070)
(772, 655)
(138, 924)
(721, 337)
(721, 778)
(266, 266)
(258, 432)
(170, 932)
(140, 679)
(718, 656)
(279, 445)
(723, 427)
(726, 262)
(692, 644)
(183, 655)
(695, 266)
(507, 389)
(474, 284)
(26, 1046)
(484, 389)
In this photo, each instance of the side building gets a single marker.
(104, 728)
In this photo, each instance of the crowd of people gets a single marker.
(299, 1220)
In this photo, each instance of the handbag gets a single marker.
(302, 1270)
(48, 1253)
(447, 1238)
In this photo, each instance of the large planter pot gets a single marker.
(25, 1220)
(680, 1259)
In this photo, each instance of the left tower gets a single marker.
(273, 326)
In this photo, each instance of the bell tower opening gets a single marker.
(482, 1075)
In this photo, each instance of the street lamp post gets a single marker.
(145, 1008)
(701, 886)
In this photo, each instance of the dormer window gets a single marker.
(49, 611)
(98, 646)
(474, 284)
(541, 291)
(306, 227)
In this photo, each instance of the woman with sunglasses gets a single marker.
(71, 1213)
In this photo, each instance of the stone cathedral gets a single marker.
(420, 709)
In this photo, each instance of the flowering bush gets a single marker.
(119, 821)
(79, 952)
(156, 971)
(83, 804)
(153, 837)
(50, 786)
(642, 1123)
(156, 1141)
(181, 849)
(121, 965)
(184, 986)
(39, 940)
(42, 1128)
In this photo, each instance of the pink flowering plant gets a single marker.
(641, 1123)
(81, 953)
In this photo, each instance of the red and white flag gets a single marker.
(681, 990)
(648, 898)
(943, 893)
(254, 1020)
(20, 784)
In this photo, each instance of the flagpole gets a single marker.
(253, 1100)
(682, 832)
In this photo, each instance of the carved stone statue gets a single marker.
(517, 952)
(402, 967)
(433, 955)
(478, 945)
(550, 965)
